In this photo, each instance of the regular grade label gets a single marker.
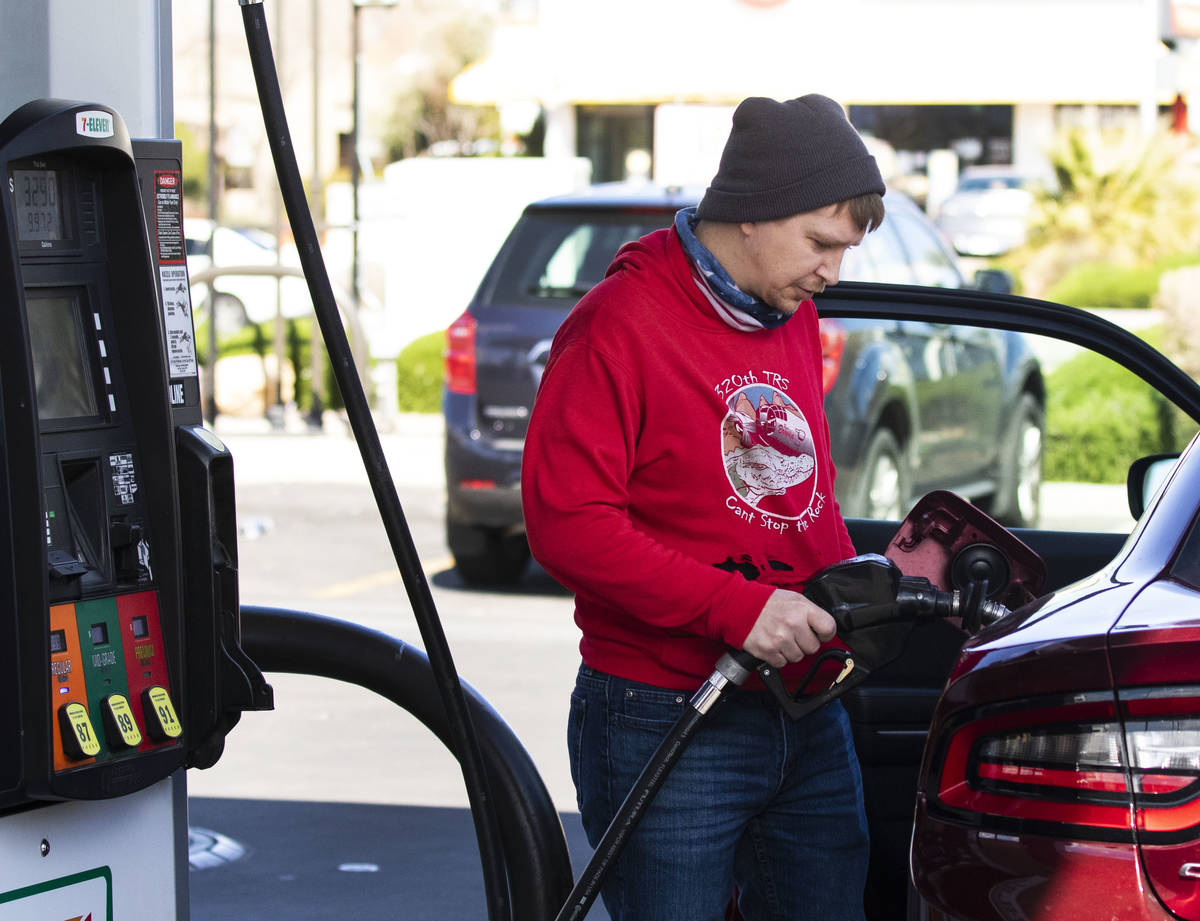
(79, 724)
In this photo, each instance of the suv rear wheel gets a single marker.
(884, 481)
(1019, 502)
(487, 556)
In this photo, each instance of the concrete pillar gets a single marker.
(560, 130)
(108, 51)
(1033, 133)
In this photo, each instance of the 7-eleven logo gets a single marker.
(94, 124)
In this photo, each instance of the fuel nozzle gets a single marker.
(875, 608)
(918, 597)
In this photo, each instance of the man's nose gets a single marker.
(829, 268)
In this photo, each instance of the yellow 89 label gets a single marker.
(81, 728)
(164, 712)
(122, 720)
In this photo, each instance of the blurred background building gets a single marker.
(439, 119)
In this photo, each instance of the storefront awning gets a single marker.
(922, 51)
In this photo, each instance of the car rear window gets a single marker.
(557, 256)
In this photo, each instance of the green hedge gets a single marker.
(249, 340)
(419, 374)
(1100, 417)
(418, 366)
(1102, 285)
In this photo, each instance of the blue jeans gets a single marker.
(757, 802)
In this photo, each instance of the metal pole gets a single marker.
(316, 362)
(274, 408)
(354, 165)
(211, 370)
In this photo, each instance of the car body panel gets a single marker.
(980, 875)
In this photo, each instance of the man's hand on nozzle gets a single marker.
(788, 628)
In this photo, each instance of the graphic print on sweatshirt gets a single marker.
(769, 458)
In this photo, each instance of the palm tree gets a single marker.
(1119, 201)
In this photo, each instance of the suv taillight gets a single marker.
(833, 343)
(460, 355)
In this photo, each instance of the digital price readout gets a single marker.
(37, 204)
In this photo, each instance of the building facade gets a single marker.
(650, 84)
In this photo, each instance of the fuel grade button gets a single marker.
(161, 722)
(78, 735)
(120, 728)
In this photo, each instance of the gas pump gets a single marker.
(120, 658)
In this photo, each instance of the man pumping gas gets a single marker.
(677, 478)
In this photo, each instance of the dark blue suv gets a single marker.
(912, 406)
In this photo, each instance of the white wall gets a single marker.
(688, 140)
(1033, 132)
(115, 52)
(440, 222)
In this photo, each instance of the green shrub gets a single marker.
(249, 340)
(1103, 285)
(1100, 416)
(419, 374)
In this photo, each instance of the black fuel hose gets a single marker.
(465, 742)
(730, 672)
(535, 847)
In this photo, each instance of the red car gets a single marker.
(1060, 774)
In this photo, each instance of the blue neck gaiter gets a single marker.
(718, 280)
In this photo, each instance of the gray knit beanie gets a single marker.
(784, 158)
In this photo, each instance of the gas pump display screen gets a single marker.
(61, 368)
(37, 204)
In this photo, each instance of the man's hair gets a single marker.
(866, 210)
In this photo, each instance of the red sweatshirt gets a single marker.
(677, 470)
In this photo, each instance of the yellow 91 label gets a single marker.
(79, 724)
(162, 712)
(122, 720)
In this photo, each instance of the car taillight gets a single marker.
(460, 355)
(1162, 730)
(1165, 752)
(1070, 765)
(1061, 764)
(833, 343)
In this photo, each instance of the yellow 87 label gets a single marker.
(80, 725)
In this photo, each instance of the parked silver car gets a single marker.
(988, 213)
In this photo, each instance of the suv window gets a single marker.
(883, 259)
(931, 263)
(562, 254)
